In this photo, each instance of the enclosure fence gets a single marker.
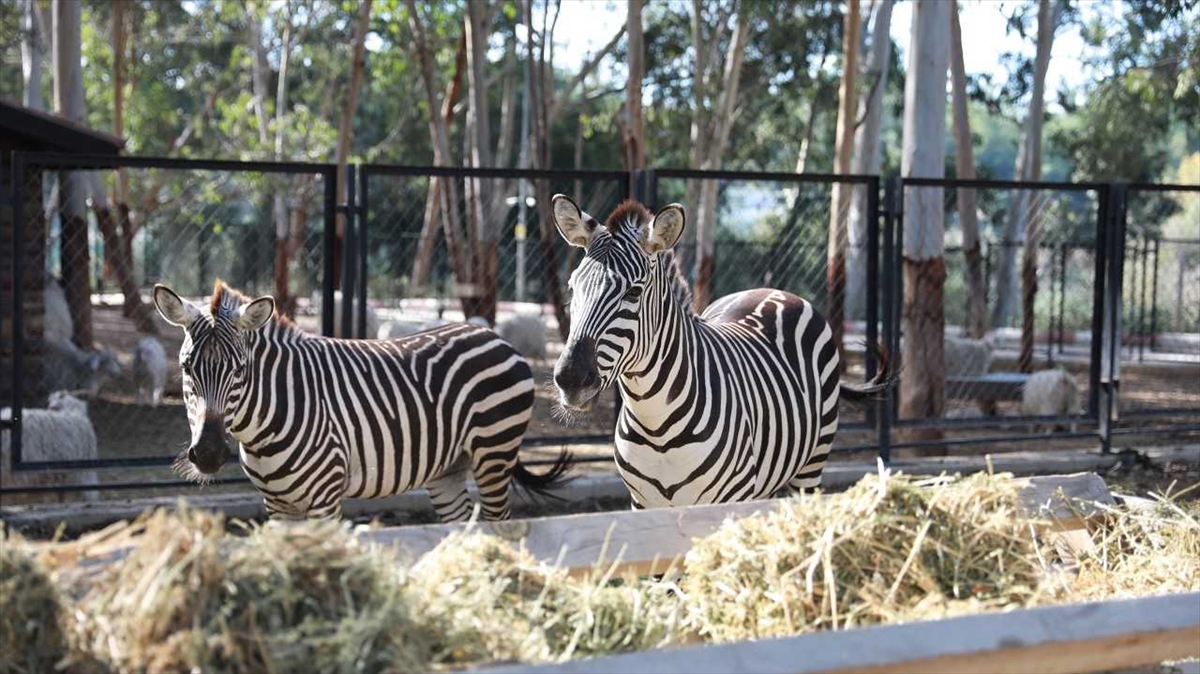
(1038, 278)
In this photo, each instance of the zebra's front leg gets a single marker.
(448, 492)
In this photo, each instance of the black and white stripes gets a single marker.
(323, 419)
(736, 404)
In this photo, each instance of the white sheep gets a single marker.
(149, 370)
(60, 432)
(966, 357)
(397, 329)
(526, 333)
(480, 321)
(1051, 393)
(69, 368)
(59, 325)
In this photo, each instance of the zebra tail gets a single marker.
(543, 484)
(878, 386)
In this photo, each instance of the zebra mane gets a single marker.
(226, 299)
(679, 286)
(627, 211)
(631, 211)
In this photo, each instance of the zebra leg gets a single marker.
(448, 492)
(492, 468)
(809, 478)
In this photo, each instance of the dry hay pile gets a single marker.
(890, 549)
(492, 601)
(188, 595)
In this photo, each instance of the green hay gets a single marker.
(31, 612)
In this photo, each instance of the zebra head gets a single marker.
(211, 360)
(610, 320)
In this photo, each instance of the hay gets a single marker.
(306, 597)
(31, 612)
(1153, 548)
(887, 550)
(491, 601)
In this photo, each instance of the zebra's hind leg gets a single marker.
(493, 470)
(448, 492)
(808, 479)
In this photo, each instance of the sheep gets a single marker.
(1051, 393)
(59, 432)
(59, 324)
(526, 333)
(149, 370)
(70, 368)
(398, 328)
(372, 318)
(966, 357)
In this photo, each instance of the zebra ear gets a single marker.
(573, 224)
(663, 231)
(253, 316)
(173, 309)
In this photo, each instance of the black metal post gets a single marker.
(898, 288)
(363, 246)
(1142, 301)
(1098, 301)
(1111, 362)
(1062, 296)
(886, 409)
(1154, 299)
(18, 303)
(872, 285)
(1051, 322)
(349, 253)
(328, 238)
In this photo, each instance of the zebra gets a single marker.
(738, 403)
(319, 419)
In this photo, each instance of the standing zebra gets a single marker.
(320, 419)
(736, 404)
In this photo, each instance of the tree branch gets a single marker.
(561, 100)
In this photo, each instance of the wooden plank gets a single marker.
(648, 541)
(1094, 637)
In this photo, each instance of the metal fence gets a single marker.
(412, 246)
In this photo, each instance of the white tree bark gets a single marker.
(484, 229)
(722, 123)
(33, 48)
(868, 155)
(964, 166)
(922, 393)
(1028, 166)
(635, 139)
(73, 185)
(839, 202)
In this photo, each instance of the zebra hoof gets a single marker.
(512, 531)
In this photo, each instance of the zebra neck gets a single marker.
(648, 385)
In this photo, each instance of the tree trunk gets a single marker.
(484, 229)
(536, 61)
(922, 389)
(868, 156)
(839, 203)
(964, 164)
(33, 48)
(69, 103)
(635, 136)
(722, 122)
(346, 129)
(1029, 163)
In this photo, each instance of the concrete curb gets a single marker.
(837, 476)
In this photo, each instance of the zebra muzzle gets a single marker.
(576, 376)
(211, 451)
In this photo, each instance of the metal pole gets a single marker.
(349, 253)
(329, 235)
(363, 246)
(1062, 296)
(872, 285)
(18, 300)
(1154, 299)
(898, 288)
(1099, 326)
(522, 192)
(884, 425)
(1142, 301)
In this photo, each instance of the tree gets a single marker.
(73, 189)
(839, 203)
(964, 165)
(1028, 166)
(346, 126)
(922, 389)
(635, 135)
(33, 48)
(484, 230)
(709, 138)
(868, 154)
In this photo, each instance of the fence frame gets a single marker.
(884, 287)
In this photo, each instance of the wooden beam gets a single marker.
(648, 541)
(1094, 637)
